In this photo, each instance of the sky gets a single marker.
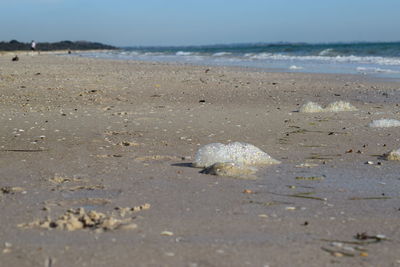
(199, 22)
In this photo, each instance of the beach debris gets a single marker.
(361, 240)
(384, 123)
(248, 191)
(84, 187)
(128, 210)
(340, 248)
(369, 198)
(59, 180)
(231, 169)
(23, 150)
(270, 203)
(11, 189)
(167, 233)
(365, 236)
(158, 158)
(393, 155)
(237, 153)
(323, 157)
(307, 196)
(78, 219)
(337, 106)
(338, 252)
(128, 143)
(306, 165)
(7, 247)
(310, 178)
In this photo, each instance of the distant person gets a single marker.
(33, 46)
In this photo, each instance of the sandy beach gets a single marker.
(118, 138)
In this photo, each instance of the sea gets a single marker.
(378, 59)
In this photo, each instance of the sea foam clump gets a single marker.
(238, 153)
(394, 155)
(337, 106)
(311, 107)
(384, 123)
(340, 106)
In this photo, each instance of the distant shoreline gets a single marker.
(53, 52)
(15, 45)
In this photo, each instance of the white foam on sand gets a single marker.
(394, 155)
(311, 107)
(238, 153)
(384, 123)
(337, 106)
(340, 106)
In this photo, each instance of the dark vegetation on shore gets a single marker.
(14, 45)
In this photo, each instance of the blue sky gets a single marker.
(198, 22)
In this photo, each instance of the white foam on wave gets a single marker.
(221, 54)
(260, 56)
(237, 153)
(326, 52)
(131, 53)
(183, 53)
(375, 70)
(153, 54)
(339, 59)
(385, 123)
(294, 67)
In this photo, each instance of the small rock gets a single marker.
(231, 169)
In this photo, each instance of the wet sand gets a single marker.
(107, 135)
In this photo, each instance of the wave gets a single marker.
(366, 70)
(328, 52)
(375, 59)
(340, 59)
(183, 53)
(221, 54)
(264, 57)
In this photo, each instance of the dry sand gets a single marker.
(109, 136)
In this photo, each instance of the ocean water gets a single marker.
(374, 59)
